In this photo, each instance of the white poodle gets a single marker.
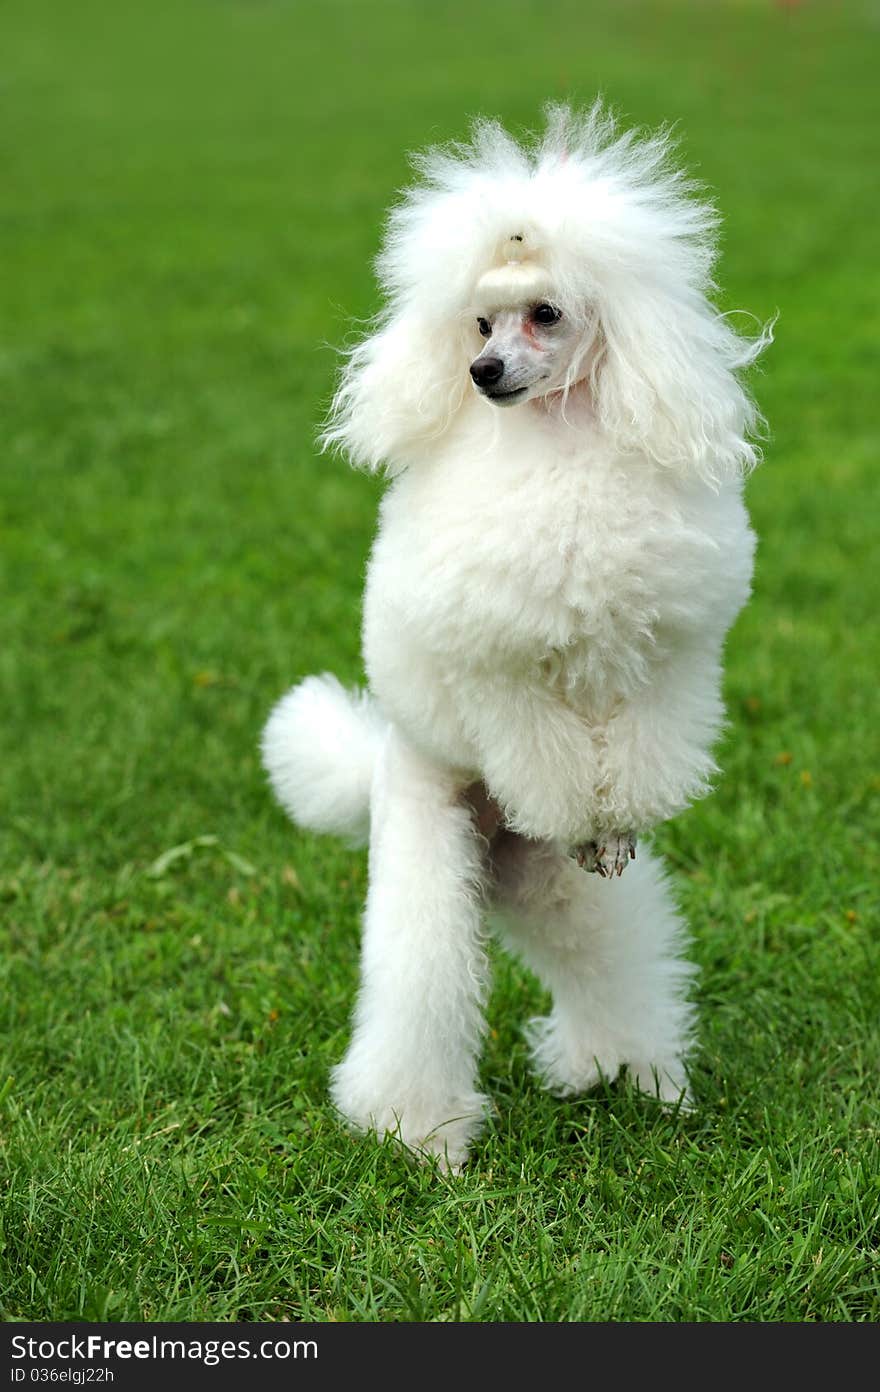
(560, 553)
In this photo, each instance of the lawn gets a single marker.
(192, 196)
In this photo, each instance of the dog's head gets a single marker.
(514, 273)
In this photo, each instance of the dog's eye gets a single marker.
(485, 327)
(546, 314)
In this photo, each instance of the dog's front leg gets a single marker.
(657, 747)
(538, 757)
(411, 1067)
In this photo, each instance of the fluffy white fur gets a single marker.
(545, 611)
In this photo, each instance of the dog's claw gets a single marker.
(609, 859)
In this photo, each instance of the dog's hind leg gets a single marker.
(411, 1067)
(610, 951)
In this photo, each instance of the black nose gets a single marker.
(485, 371)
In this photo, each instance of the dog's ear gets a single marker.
(665, 383)
(399, 388)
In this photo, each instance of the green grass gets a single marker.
(192, 195)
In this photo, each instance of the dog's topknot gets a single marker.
(584, 192)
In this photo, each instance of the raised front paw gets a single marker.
(608, 855)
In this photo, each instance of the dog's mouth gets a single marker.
(505, 398)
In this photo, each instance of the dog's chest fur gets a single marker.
(527, 550)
